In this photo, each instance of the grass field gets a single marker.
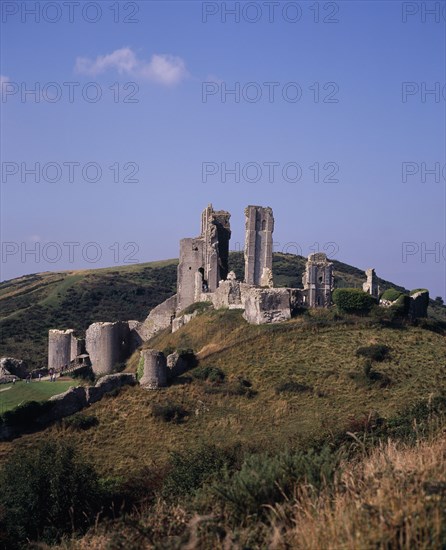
(330, 392)
(13, 395)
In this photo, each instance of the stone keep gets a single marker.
(108, 345)
(204, 259)
(259, 227)
(371, 285)
(318, 281)
(155, 369)
(61, 346)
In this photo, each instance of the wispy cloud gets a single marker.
(164, 69)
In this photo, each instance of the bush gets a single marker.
(237, 387)
(80, 422)
(400, 308)
(391, 294)
(47, 492)
(189, 471)
(25, 417)
(353, 300)
(375, 352)
(170, 412)
(212, 374)
(293, 387)
(265, 480)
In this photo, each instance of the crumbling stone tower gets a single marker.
(204, 259)
(371, 286)
(60, 344)
(108, 345)
(318, 281)
(259, 227)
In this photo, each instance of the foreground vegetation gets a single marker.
(382, 486)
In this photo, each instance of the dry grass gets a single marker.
(394, 498)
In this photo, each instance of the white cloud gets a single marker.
(162, 68)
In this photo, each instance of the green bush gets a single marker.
(391, 294)
(265, 480)
(375, 352)
(212, 374)
(400, 308)
(353, 300)
(169, 412)
(80, 422)
(47, 492)
(25, 417)
(236, 387)
(188, 471)
(293, 387)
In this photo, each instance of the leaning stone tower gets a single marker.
(259, 227)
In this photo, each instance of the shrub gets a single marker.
(212, 374)
(353, 300)
(25, 416)
(80, 422)
(265, 480)
(47, 492)
(391, 294)
(237, 387)
(170, 412)
(293, 387)
(400, 308)
(189, 471)
(375, 352)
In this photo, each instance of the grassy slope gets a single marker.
(33, 304)
(128, 437)
(35, 391)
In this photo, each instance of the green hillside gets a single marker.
(33, 304)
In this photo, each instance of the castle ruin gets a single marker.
(202, 276)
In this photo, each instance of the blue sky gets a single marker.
(351, 100)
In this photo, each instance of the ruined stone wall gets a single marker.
(259, 227)
(267, 305)
(318, 281)
(191, 261)
(204, 259)
(158, 319)
(371, 285)
(108, 345)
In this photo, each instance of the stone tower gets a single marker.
(204, 259)
(60, 350)
(108, 345)
(318, 280)
(259, 227)
(371, 285)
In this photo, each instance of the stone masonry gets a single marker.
(371, 285)
(108, 345)
(204, 259)
(259, 227)
(318, 281)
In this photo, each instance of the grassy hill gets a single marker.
(305, 383)
(33, 304)
(273, 389)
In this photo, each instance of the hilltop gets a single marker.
(33, 304)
